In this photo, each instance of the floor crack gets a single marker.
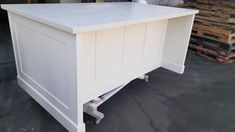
(147, 115)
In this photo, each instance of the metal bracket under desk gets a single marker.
(91, 107)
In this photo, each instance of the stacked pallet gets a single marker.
(173, 3)
(213, 33)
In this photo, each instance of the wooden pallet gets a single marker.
(217, 10)
(216, 45)
(219, 56)
(214, 10)
(214, 33)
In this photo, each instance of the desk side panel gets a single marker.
(110, 58)
(176, 43)
(46, 66)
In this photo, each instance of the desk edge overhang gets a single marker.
(77, 29)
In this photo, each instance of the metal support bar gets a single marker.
(91, 107)
(145, 78)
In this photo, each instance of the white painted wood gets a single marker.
(108, 58)
(67, 17)
(133, 46)
(176, 43)
(118, 53)
(63, 66)
(155, 34)
(46, 66)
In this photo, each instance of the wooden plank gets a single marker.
(218, 2)
(208, 1)
(213, 29)
(212, 43)
(228, 3)
(218, 24)
(219, 14)
(204, 7)
(190, 4)
(215, 19)
(228, 10)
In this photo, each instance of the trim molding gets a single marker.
(173, 67)
(57, 114)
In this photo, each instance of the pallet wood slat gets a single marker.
(190, 4)
(219, 25)
(218, 2)
(228, 3)
(216, 19)
(214, 29)
(212, 43)
(219, 14)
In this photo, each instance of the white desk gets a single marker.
(69, 54)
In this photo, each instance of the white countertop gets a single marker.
(81, 17)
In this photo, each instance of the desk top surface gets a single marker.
(81, 17)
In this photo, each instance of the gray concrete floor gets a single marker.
(7, 64)
(200, 100)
